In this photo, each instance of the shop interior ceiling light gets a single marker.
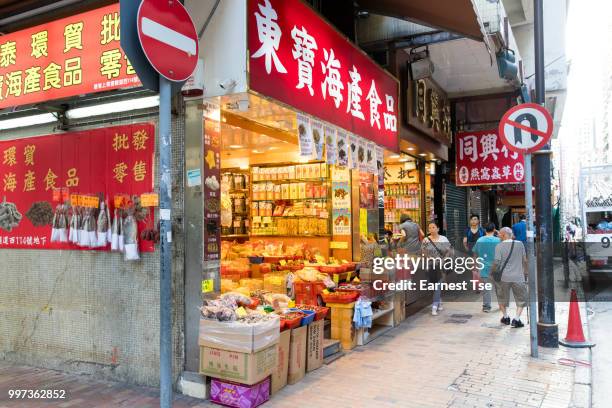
(113, 107)
(27, 121)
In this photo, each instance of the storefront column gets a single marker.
(194, 210)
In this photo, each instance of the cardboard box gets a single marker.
(314, 350)
(245, 368)
(297, 355)
(279, 376)
(241, 337)
(232, 394)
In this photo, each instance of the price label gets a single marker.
(267, 220)
(89, 201)
(208, 285)
(336, 278)
(121, 200)
(149, 200)
(349, 275)
(257, 219)
(338, 245)
(57, 195)
(75, 200)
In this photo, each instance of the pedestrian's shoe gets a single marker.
(486, 309)
(440, 308)
(434, 311)
(517, 323)
(505, 320)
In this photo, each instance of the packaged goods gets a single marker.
(10, 217)
(297, 355)
(245, 368)
(239, 336)
(40, 214)
(279, 376)
(314, 346)
(233, 394)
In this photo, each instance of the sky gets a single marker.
(586, 26)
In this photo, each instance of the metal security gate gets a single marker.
(456, 214)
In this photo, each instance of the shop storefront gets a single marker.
(78, 139)
(295, 167)
(495, 175)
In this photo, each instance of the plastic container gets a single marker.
(320, 311)
(340, 297)
(291, 323)
(307, 293)
(308, 318)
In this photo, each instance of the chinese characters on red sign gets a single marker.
(72, 56)
(299, 59)
(482, 159)
(112, 161)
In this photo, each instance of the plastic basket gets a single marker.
(292, 323)
(307, 293)
(308, 318)
(320, 311)
(340, 297)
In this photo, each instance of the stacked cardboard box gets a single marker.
(240, 358)
(342, 327)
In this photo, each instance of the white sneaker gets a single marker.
(434, 311)
(440, 308)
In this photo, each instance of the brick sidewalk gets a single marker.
(466, 360)
(444, 361)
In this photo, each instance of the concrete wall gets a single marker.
(78, 311)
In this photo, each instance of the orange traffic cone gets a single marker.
(575, 335)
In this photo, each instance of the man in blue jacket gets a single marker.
(520, 229)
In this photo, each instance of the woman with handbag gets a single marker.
(436, 248)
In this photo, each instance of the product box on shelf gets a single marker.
(237, 395)
(237, 336)
(314, 346)
(245, 368)
(297, 354)
(279, 376)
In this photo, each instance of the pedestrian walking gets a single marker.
(435, 249)
(509, 271)
(520, 229)
(472, 233)
(412, 234)
(485, 249)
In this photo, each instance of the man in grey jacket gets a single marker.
(511, 260)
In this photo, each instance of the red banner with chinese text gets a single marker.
(297, 58)
(110, 161)
(482, 159)
(76, 55)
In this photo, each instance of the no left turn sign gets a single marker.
(526, 128)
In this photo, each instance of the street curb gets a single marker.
(582, 389)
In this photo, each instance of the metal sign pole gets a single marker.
(165, 273)
(533, 288)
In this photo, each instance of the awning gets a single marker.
(458, 16)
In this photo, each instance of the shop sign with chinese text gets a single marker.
(429, 110)
(72, 56)
(73, 167)
(482, 159)
(297, 58)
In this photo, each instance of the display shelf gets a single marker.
(239, 191)
(373, 333)
(293, 236)
(290, 217)
(291, 199)
(288, 181)
(232, 236)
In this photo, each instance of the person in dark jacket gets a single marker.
(412, 235)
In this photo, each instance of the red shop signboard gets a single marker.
(76, 55)
(482, 159)
(297, 58)
(111, 161)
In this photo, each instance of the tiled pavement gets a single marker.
(427, 361)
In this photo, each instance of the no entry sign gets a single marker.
(168, 38)
(526, 128)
